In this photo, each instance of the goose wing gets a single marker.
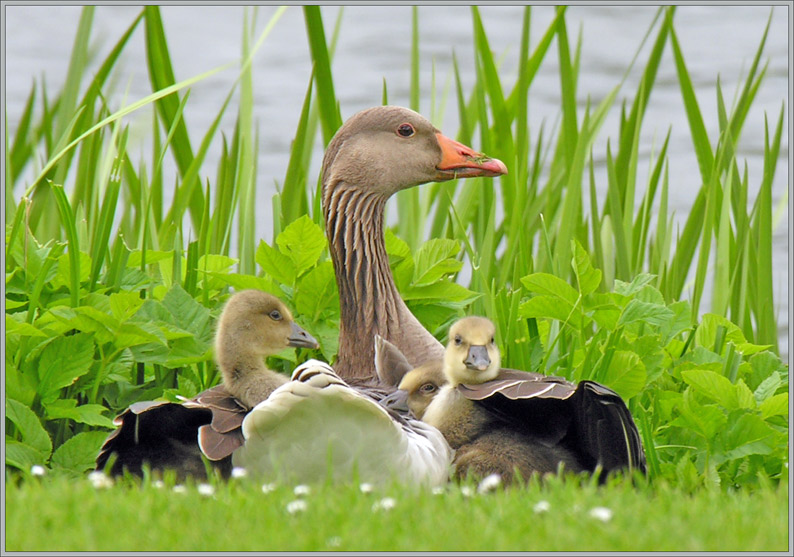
(605, 428)
(164, 434)
(161, 434)
(317, 425)
(223, 434)
(587, 417)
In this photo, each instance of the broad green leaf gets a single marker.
(87, 320)
(187, 312)
(14, 327)
(551, 307)
(123, 305)
(631, 288)
(767, 387)
(545, 283)
(748, 435)
(763, 365)
(62, 362)
(30, 428)
(64, 278)
(652, 314)
(18, 386)
(775, 406)
(131, 334)
(434, 260)
(91, 414)
(245, 282)
(275, 264)
(78, 454)
(22, 455)
(744, 396)
(706, 420)
(303, 242)
(316, 291)
(626, 374)
(603, 309)
(449, 292)
(712, 385)
(588, 277)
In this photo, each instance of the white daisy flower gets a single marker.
(206, 489)
(385, 504)
(179, 488)
(267, 488)
(99, 480)
(489, 483)
(541, 507)
(239, 472)
(366, 488)
(466, 491)
(601, 513)
(301, 490)
(38, 470)
(297, 506)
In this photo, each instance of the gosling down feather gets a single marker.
(531, 421)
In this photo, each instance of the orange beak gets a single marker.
(459, 161)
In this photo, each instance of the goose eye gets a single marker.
(427, 388)
(491, 340)
(405, 130)
(275, 315)
(458, 340)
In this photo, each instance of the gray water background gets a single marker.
(374, 44)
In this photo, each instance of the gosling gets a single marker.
(253, 326)
(485, 443)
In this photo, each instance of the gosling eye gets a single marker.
(458, 340)
(491, 340)
(405, 130)
(275, 315)
(427, 388)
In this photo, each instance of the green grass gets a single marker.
(71, 515)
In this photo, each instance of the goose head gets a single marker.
(471, 355)
(419, 387)
(386, 149)
(252, 326)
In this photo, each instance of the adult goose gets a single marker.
(376, 153)
(499, 420)
(253, 325)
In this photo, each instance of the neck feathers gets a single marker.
(369, 299)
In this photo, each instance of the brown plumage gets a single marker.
(252, 326)
(375, 154)
(499, 420)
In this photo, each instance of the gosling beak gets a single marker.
(460, 161)
(397, 401)
(477, 358)
(300, 338)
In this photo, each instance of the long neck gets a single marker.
(369, 299)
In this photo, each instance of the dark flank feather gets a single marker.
(158, 434)
(587, 418)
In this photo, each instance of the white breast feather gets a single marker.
(316, 426)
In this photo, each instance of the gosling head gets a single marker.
(471, 355)
(421, 385)
(256, 323)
